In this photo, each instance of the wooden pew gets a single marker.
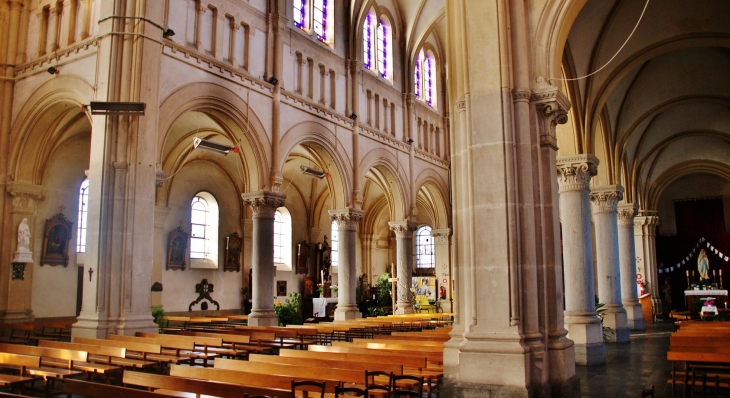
(56, 364)
(211, 388)
(97, 354)
(234, 345)
(326, 363)
(245, 378)
(16, 333)
(136, 353)
(305, 372)
(21, 362)
(435, 355)
(358, 355)
(95, 390)
(203, 354)
(172, 354)
(413, 341)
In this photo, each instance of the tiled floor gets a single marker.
(631, 367)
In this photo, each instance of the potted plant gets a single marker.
(158, 313)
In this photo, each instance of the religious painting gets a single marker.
(234, 242)
(281, 288)
(308, 287)
(303, 258)
(56, 240)
(176, 249)
(424, 288)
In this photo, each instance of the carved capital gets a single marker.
(25, 197)
(552, 109)
(355, 65)
(646, 224)
(604, 199)
(626, 214)
(346, 218)
(161, 213)
(521, 95)
(403, 229)
(441, 236)
(575, 172)
(263, 203)
(160, 177)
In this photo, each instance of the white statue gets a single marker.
(24, 237)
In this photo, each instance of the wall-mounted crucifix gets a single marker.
(91, 271)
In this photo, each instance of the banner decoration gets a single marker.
(686, 260)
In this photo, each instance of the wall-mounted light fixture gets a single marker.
(116, 108)
(273, 80)
(353, 116)
(210, 146)
(52, 70)
(410, 141)
(168, 33)
(313, 172)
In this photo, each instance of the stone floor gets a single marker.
(631, 367)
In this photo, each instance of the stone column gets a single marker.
(627, 259)
(645, 240)
(404, 259)
(443, 266)
(346, 220)
(264, 205)
(584, 327)
(605, 201)
(53, 16)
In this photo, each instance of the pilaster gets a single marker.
(346, 220)
(627, 260)
(645, 239)
(443, 265)
(264, 205)
(604, 200)
(404, 264)
(584, 327)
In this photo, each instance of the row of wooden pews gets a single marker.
(32, 332)
(700, 356)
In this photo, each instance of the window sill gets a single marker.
(202, 263)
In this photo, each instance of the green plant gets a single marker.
(290, 311)
(158, 313)
(384, 287)
(600, 311)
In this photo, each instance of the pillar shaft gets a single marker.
(264, 205)
(404, 262)
(645, 240)
(346, 220)
(627, 260)
(584, 327)
(604, 200)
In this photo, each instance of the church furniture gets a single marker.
(136, 353)
(97, 355)
(200, 345)
(303, 372)
(56, 364)
(648, 393)
(306, 387)
(433, 354)
(284, 359)
(415, 340)
(95, 390)
(647, 308)
(720, 297)
(170, 384)
(171, 352)
(21, 362)
(403, 386)
(347, 353)
(16, 333)
(234, 345)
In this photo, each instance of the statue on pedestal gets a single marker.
(703, 265)
(23, 237)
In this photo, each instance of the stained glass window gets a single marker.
(425, 248)
(367, 45)
(300, 14)
(83, 216)
(320, 19)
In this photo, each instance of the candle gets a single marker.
(322, 275)
(714, 273)
(687, 272)
(720, 272)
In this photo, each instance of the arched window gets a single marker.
(425, 78)
(424, 248)
(314, 15)
(385, 49)
(300, 14)
(335, 244)
(204, 231)
(368, 36)
(282, 239)
(83, 217)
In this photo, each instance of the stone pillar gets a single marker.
(584, 327)
(404, 259)
(264, 205)
(346, 220)
(605, 201)
(443, 265)
(53, 16)
(159, 256)
(645, 240)
(627, 259)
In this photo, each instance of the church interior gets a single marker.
(531, 160)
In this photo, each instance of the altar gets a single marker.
(719, 295)
(323, 307)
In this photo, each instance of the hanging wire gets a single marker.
(614, 56)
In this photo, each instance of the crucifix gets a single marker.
(91, 271)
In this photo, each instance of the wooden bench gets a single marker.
(21, 362)
(327, 363)
(418, 362)
(402, 351)
(113, 357)
(136, 353)
(95, 390)
(16, 333)
(171, 349)
(56, 364)
(305, 372)
(245, 378)
(155, 382)
(203, 347)
(233, 345)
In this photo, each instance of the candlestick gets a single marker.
(687, 272)
(321, 276)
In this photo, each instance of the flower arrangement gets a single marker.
(290, 311)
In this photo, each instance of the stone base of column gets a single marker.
(129, 326)
(466, 390)
(588, 338)
(616, 320)
(634, 315)
(90, 328)
(263, 318)
(403, 307)
(561, 359)
(567, 389)
(493, 367)
(346, 311)
(17, 316)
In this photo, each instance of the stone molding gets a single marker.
(160, 177)
(441, 236)
(263, 203)
(161, 213)
(403, 229)
(461, 105)
(575, 172)
(605, 198)
(25, 196)
(552, 109)
(521, 95)
(346, 218)
(626, 214)
(646, 224)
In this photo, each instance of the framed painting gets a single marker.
(234, 242)
(281, 288)
(176, 249)
(425, 289)
(55, 240)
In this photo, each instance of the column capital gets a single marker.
(441, 236)
(25, 197)
(263, 203)
(552, 109)
(161, 213)
(646, 224)
(355, 65)
(346, 218)
(626, 213)
(403, 228)
(575, 172)
(605, 198)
